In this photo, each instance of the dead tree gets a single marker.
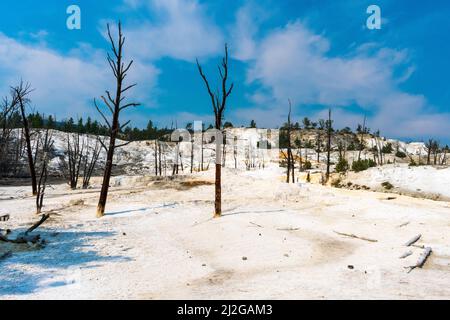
(156, 157)
(429, 146)
(435, 151)
(202, 148)
(21, 93)
(90, 161)
(159, 159)
(115, 106)
(75, 150)
(289, 156)
(361, 143)
(47, 145)
(329, 129)
(318, 145)
(218, 102)
(192, 154)
(6, 137)
(444, 156)
(176, 160)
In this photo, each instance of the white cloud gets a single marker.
(65, 85)
(293, 62)
(181, 30)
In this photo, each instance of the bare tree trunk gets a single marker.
(115, 107)
(328, 144)
(429, 147)
(361, 146)
(156, 157)
(90, 162)
(318, 142)
(201, 168)
(218, 191)
(47, 144)
(192, 155)
(75, 154)
(218, 103)
(290, 158)
(21, 92)
(159, 158)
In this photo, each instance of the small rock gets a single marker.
(76, 202)
(124, 234)
(204, 265)
(286, 255)
(350, 267)
(244, 258)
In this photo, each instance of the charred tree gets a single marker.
(156, 157)
(192, 154)
(329, 131)
(289, 155)
(429, 146)
(361, 142)
(75, 149)
(218, 102)
(318, 146)
(90, 161)
(21, 93)
(7, 138)
(115, 106)
(47, 145)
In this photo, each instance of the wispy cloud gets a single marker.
(179, 29)
(294, 62)
(65, 84)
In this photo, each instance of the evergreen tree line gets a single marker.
(88, 126)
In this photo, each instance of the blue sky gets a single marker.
(317, 53)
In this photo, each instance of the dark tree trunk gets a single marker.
(361, 146)
(201, 167)
(328, 144)
(115, 107)
(21, 93)
(47, 145)
(156, 157)
(89, 164)
(218, 191)
(159, 158)
(192, 155)
(218, 102)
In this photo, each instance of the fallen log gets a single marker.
(37, 224)
(406, 254)
(422, 259)
(403, 224)
(413, 240)
(354, 236)
(25, 237)
(257, 225)
(288, 229)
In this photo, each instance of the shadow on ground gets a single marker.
(24, 272)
